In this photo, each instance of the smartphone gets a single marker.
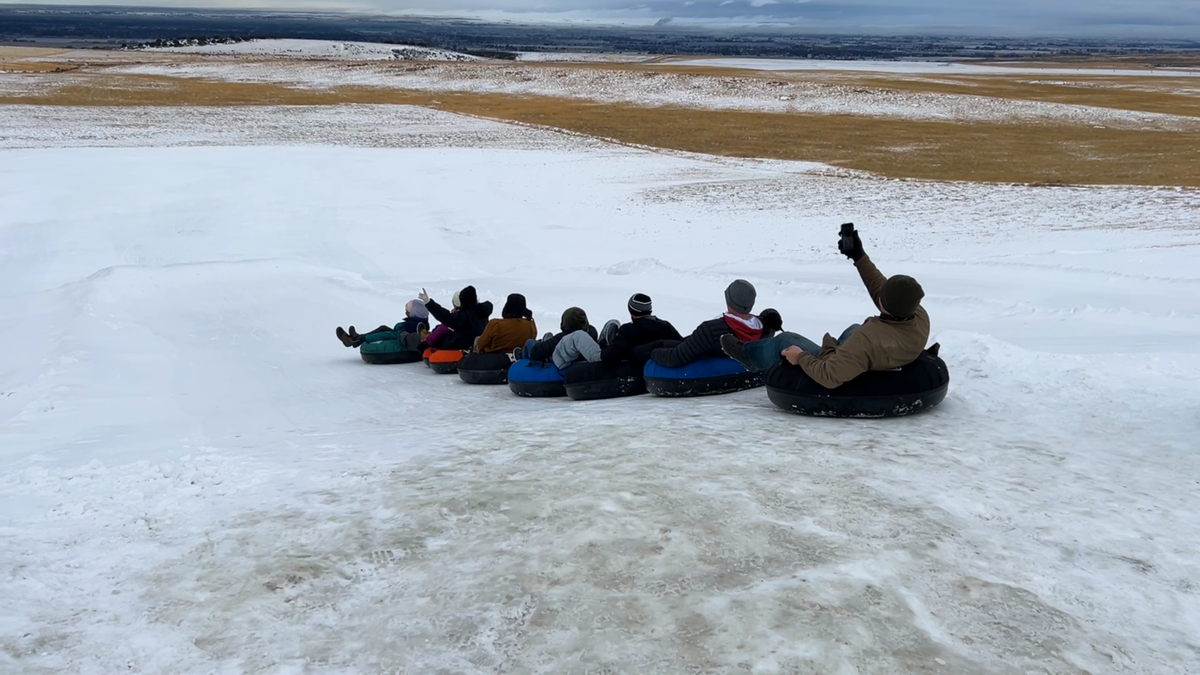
(847, 243)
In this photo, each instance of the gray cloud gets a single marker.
(1165, 18)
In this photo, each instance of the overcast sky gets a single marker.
(1116, 18)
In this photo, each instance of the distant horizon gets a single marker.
(817, 17)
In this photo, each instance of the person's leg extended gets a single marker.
(380, 334)
(525, 351)
(762, 354)
(848, 332)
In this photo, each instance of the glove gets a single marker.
(771, 320)
(423, 296)
(856, 251)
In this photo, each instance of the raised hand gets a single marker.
(855, 249)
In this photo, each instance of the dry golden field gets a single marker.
(1053, 150)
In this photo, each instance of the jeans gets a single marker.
(527, 349)
(763, 354)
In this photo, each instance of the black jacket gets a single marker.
(704, 341)
(643, 330)
(544, 349)
(467, 323)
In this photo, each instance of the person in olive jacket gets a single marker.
(894, 338)
(467, 323)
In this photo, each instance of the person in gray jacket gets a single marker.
(574, 347)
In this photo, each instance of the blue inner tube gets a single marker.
(387, 352)
(911, 389)
(484, 368)
(535, 378)
(706, 377)
(593, 381)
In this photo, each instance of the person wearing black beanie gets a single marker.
(465, 323)
(512, 330)
(894, 338)
(640, 304)
(631, 341)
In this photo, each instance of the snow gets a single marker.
(319, 50)
(670, 89)
(926, 67)
(196, 477)
(583, 57)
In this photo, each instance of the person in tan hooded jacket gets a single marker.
(503, 335)
(893, 339)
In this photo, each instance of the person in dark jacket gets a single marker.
(705, 341)
(416, 319)
(573, 319)
(624, 342)
(467, 323)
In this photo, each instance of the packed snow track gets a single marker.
(195, 476)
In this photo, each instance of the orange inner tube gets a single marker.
(443, 355)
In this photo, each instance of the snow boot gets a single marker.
(345, 337)
(609, 332)
(733, 348)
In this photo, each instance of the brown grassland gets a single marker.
(1049, 152)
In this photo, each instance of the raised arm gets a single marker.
(872, 278)
(443, 315)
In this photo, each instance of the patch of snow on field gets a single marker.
(320, 50)
(581, 57)
(196, 477)
(667, 89)
(924, 67)
(346, 125)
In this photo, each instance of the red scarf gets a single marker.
(746, 330)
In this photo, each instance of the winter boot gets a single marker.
(609, 332)
(733, 347)
(345, 337)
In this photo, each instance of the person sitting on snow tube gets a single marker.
(464, 325)
(705, 341)
(573, 319)
(512, 330)
(618, 343)
(407, 333)
(621, 342)
(891, 340)
(442, 331)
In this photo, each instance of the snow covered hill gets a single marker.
(320, 50)
(196, 477)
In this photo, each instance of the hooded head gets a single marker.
(900, 296)
(456, 301)
(640, 305)
(467, 298)
(574, 319)
(416, 308)
(740, 296)
(514, 307)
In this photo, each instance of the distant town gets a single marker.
(116, 27)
